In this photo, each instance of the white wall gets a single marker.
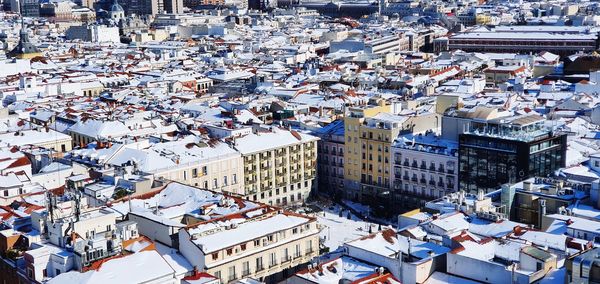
(392, 264)
(154, 230)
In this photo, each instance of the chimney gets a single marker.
(527, 186)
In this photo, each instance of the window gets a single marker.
(294, 230)
(259, 264)
(270, 238)
(272, 259)
(206, 184)
(215, 256)
(256, 243)
(229, 251)
(286, 256)
(297, 252)
(215, 183)
(234, 178)
(218, 274)
(309, 247)
(245, 268)
(232, 275)
(204, 170)
(224, 180)
(194, 173)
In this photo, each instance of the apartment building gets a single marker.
(425, 168)
(279, 165)
(370, 133)
(387, 44)
(44, 138)
(353, 141)
(330, 159)
(216, 166)
(262, 243)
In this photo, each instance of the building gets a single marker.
(61, 11)
(280, 166)
(44, 138)
(531, 39)
(264, 243)
(216, 166)
(144, 7)
(380, 45)
(95, 33)
(116, 12)
(353, 149)
(502, 74)
(27, 8)
(425, 168)
(24, 49)
(529, 202)
(173, 6)
(370, 133)
(584, 267)
(330, 161)
(508, 149)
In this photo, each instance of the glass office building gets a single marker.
(508, 150)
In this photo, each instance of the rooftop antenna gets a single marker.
(50, 205)
(408, 247)
(77, 199)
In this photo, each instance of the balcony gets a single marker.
(423, 181)
(405, 163)
(405, 178)
(432, 168)
(432, 182)
(441, 169)
(286, 259)
(260, 268)
(245, 273)
(414, 179)
(450, 171)
(440, 183)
